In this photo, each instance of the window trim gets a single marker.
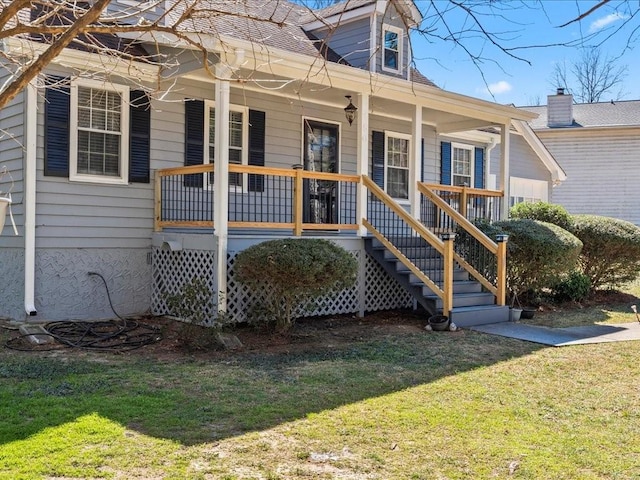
(472, 160)
(123, 91)
(208, 105)
(398, 31)
(404, 136)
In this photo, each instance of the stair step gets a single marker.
(423, 264)
(459, 275)
(466, 299)
(464, 286)
(479, 315)
(416, 253)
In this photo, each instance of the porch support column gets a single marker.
(505, 140)
(415, 169)
(362, 168)
(362, 162)
(221, 183)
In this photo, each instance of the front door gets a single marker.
(320, 155)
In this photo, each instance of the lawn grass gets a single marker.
(409, 405)
(590, 312)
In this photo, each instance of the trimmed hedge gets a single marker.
(611, 253)
(543, 212)
(291, 272)
(538, 253)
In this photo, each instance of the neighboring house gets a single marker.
(114, 173)
(598, 146)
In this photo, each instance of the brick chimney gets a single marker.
(560, 109)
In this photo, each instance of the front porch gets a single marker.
(421, 264)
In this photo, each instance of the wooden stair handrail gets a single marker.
(498, 290)
(457, 217)
(423, 231)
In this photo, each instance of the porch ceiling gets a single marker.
(315, 89)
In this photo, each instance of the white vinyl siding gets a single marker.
(99, 147)
(526, 190)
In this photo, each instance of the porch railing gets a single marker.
(483, 258)
(258, 197)
(407, 239)
(471, 203)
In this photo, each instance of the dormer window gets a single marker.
(391, 48)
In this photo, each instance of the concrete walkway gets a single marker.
(559, 337)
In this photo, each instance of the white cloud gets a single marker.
(604, 21)
(496, 88)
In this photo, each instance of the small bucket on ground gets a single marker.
(439, 323)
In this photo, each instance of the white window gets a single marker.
(461, 165)
(391, 48)
(397, 148)
(99, 133)
(238, 141)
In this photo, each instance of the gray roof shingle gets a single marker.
(605, 114)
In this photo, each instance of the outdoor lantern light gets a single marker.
(350, 110)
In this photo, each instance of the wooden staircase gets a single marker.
(472, 305)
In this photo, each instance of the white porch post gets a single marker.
(221, 182)
(505, 139)
(362, 153)
(362, 168)
(415, 170)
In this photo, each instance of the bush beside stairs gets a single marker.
(471, 304)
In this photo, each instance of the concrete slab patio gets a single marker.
(559, 337)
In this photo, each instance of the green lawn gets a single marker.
(408, 405)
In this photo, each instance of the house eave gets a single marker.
(316, 70)
(83, 61)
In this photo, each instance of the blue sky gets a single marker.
(527, 23)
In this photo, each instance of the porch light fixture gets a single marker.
(350, 110)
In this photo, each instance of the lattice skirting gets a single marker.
(173, 270)
(374, 289)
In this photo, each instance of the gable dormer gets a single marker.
(372, 35)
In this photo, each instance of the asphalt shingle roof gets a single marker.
(605, 114)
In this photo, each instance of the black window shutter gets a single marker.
(56, 127)
(422, 160)
(193, 139)
(478, 180)
(257, 126)
(139, 136)
(445, 163)
(377, 158)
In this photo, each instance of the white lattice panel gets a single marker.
(383, 292)
(171, 270)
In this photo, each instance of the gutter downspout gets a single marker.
(29, 202)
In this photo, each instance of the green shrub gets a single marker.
(611, 253)
(291, 272)
(538, 253)
(575, 287)
(543, 212)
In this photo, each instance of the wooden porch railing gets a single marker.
(471, 203)
(483, 258)
(259, 198)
